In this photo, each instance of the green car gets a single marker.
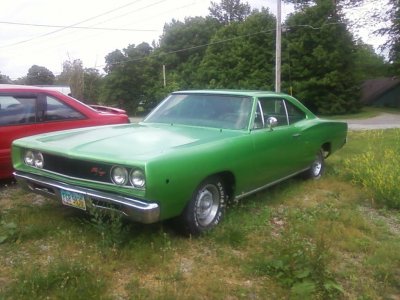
(192, 154)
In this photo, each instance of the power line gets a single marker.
(224, 41)
(74, 27)
(229, 39)
(196, 47)
(125, 14)
(115, 29)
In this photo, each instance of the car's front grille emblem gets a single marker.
(97, 171)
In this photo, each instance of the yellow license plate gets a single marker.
(73, 199)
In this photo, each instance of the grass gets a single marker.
(324, 239)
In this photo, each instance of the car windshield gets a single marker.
(218, 111)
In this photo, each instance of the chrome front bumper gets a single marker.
(134, 209)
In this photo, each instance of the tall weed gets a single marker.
(377, 169)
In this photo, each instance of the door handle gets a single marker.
(296, 135)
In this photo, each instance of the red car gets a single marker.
(29, 110)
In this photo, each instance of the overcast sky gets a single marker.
(22, 46)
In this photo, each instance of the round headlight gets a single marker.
(39, 161)
(29, 158)
(137, 178)
(119, 175)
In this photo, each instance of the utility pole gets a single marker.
(278, 48)
(164, 78)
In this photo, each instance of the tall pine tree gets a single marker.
(318, 55)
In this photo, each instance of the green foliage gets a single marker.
(228, 11)
(73, 76)
(62, 280)
(4, 79)
(368, 64)
(182, 48)
(92, 81)
(244, 60)
(38, 75)
(376, 170)
(235, 48)
(110, 227)
(300, 262)
(391, 19)
(133, 77)
(321, 60)
(8, 231)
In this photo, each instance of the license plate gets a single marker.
(73, 199)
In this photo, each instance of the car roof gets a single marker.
(21, 87)
(251, 93)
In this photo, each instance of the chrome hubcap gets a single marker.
(317, 166)
(207, 204)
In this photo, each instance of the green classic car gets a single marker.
(192, 154)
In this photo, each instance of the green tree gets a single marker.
(319, 60)
(5, 79)
(38, 75)
(228, 11)
(133, 76)
(182, 48)
(368, 64)
(73, 76)
(392, 31)
(337, 4)
(92, 85)
(241, 55)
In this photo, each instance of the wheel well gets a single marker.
(229, 182)
(327, 149)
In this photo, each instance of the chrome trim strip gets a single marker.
(135, 209)
(243, 195)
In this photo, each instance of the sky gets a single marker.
(128, 22)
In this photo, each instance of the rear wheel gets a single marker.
(206, 208)
(317, 167)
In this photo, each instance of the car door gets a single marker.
(25, 114)
(17, 119)
(53, 114)
(277, 149)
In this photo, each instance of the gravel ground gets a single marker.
(383, 121)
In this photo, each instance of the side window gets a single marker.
(56, 110)
(17, 110)
(273, 107)
(294, 113)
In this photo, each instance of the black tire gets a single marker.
(317, 168)
(206, 208)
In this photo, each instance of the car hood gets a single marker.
(125, 143)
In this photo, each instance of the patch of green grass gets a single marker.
(62, 279)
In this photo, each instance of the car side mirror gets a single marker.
(271, 122)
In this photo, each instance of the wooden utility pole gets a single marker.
(278, 48)
(164, 78)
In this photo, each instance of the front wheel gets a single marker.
(206, 208)
(317, 167)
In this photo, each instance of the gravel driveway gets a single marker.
(383, 121)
